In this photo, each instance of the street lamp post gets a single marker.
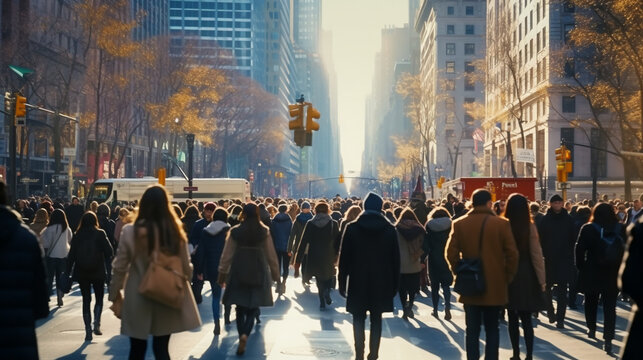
(190, 141)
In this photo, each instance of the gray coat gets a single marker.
(237, 293)
(141, 316)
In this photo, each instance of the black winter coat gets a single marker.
(208, 253)
(90, 252)
(320, 234)
(74, 213)
(435, 241)
(632, 284)
(593, 277)
(556, 233)
(107, 225)
(23, 287)
(369, 264)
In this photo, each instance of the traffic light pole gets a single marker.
(190, 140)
(13, 174)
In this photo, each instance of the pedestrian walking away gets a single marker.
(247, 269)
(280, 228)
(369, 270)
(496, 250)
(89, 255)
(56, 239)
(157, 228)
(438, 228)
(631, 283)
(527, 290)
(410, 236)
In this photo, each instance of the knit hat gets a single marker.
(555, 198)
(373, 202)
(418, 192)
(305, 205)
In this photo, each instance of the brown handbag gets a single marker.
(164, 281)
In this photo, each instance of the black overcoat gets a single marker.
(556, 233)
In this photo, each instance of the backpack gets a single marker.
(611, 247)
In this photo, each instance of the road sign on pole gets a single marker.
(191, 188)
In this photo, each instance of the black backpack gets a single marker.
(611, 246)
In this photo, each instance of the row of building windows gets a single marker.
(220, 5)
(211, 14)
(468, 10)
(209, 24)
(468, 29)
(469, 49)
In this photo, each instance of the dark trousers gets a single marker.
(409, 286)
(86, 291)
(475, 316)
(246, 319)
(609, 311)
(561, 300)
(284, 261)
(514, 332)
(159, 347)
(197, 287)
(435, 295)
(55, 267)
(359, 324)
(573, 289)
(323, 290)
(424, 274)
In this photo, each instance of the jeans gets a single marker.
(475, 316)
(359, 321)
(86, 292)
(246, 319)
(159, 347)
(560, 291)
(609, 311)
(216, 300)
(284, 260)
(435, 295)
(55, 267)
(514, 332)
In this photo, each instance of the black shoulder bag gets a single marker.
(469, 279)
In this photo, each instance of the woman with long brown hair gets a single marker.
(247, 269)
(156, 225)
(526, 291)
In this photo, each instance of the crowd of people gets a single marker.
(525, 255)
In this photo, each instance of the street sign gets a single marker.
(191, 188)
(525, 155)
(29, 180)
(69, 152)
(563, 186)
(60, 177)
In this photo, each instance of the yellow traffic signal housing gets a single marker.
(297, 112)
(21, 109)
(440, 182)
(311, 114)
(561, 173)
(341, 178)
(161, 176)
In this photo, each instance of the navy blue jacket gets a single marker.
(208, 253)
(197, 231)
(23, 287)
(280, 228)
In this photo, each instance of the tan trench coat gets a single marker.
(142, 317)
(499, 253)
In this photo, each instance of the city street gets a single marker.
(295, 329)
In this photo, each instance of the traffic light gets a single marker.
(297, 112)
(21, 109)
(563, 163)
(563, 154)
(161, 176)
(341, 178)
(311, 114)
(8, 103)
(440, 182)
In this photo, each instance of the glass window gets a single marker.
(175, 13)
(570, 68)
(569, 104)
(449, 84)
(569, 7)
(450, 48)
(469, 29)
(191, 13)
(469, 10)
(469, 49)
(175, 22)
(193, 23)
(450, 67)
(450, 10)
(191, 4)
(469, 83)
(450, 29)
(469, 67)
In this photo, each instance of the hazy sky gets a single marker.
(356, 27)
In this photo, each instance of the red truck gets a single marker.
(500, 188)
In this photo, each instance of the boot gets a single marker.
(243, 339)
(217, 327)
(88, 334)
(447, 314)
(59, 295)
(97, 313)
(87, 319)
(608, 347)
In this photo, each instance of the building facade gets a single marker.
(452, 35)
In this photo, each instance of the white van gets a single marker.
(111, 190)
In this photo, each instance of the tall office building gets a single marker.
(452, 37)
(526, 85)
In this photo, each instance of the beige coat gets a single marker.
(142, 317)
(536, 252)
(410, 253)
(499, 253)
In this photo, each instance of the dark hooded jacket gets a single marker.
(556, 233)
(280, 227)
(370, 258)
(208, 253)
(435, 242)
(320, 235)
(108, 225)
(631, 281)
(297, 230)
(74, 213)
(23, 286)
